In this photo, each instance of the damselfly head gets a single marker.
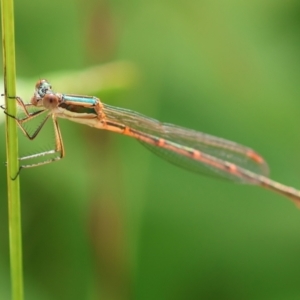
(43, 87)
(50, 101)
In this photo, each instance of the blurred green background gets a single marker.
(112, 220)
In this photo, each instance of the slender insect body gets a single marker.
(194, 151)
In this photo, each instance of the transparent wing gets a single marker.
(214, 154)
(35, 120)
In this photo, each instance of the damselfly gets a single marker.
(186, 148)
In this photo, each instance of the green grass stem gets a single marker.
(14, 208)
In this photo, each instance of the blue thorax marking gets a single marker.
(80, 99)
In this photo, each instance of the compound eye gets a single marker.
(50, 101)
(40, 83)
(35, 100)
